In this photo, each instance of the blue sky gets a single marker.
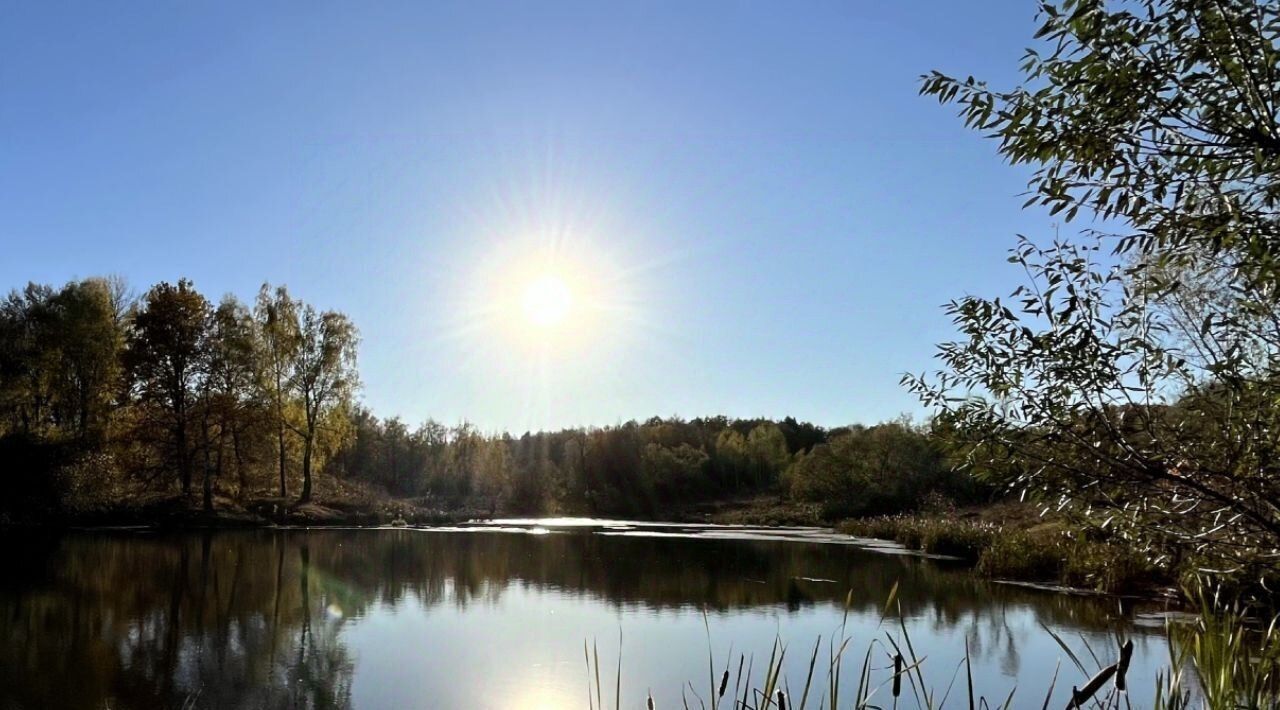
(785, 215)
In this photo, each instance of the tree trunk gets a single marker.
(218, 459)
(284, 491)
(235, 445)
(306, 470)
(83, 420)
(208, 464)
(184, 458)
(208, 488)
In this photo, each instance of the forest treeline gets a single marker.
(104, 394)
(107, 396)
(646, 468)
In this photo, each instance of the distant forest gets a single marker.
(107, 397)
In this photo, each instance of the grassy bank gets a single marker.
(1008, 543)
(765, 510)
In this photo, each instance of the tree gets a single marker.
(1151, 410)
(1159, 114)
(279, 338)
(675, 472)
(493, 472)
(801, 436)
(167, 361)
(323, 376)
(27, 358)
(731, 457)
(232, 368)
(1144, 396)
(88, 339)
(887, 468)
(767, 448)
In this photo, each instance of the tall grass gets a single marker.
(964, 539)
(1047, 555)
(1235, 659)
(1221, 661)
(890, 670)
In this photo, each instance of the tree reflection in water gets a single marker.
(255, 619)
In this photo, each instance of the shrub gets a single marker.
(958, 539)
(909, 533)
(1106, 567)
(90, 483)
(966, 540)
(881, 527)
(1017, 555)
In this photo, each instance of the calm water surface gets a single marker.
(495, 616)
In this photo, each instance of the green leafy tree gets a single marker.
(767, 448)
(732, 457)
(493, 472)
(1157, 114)
(887, 468)
(230, 396)
(167, 361)
(323, 376)
(279, 338)
(676, 473)
(88, 340)
(27, 359)
(1143, 395)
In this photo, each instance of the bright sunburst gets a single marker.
(547, 300)
(550, 299)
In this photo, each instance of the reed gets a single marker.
(1039, 555)
(1235, 661)
(1235, 658)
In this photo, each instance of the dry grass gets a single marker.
(1005, 542)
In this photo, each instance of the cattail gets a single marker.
(897, 674)
(782, 700)
(1126, 653)
(724, 683)
(650, 700)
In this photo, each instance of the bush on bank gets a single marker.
(1045, 553)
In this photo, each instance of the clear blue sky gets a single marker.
(786, 213)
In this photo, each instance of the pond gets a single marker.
(496, 616)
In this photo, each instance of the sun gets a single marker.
(546, 300)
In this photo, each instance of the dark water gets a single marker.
(497, 617)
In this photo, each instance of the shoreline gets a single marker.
(175, 515)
